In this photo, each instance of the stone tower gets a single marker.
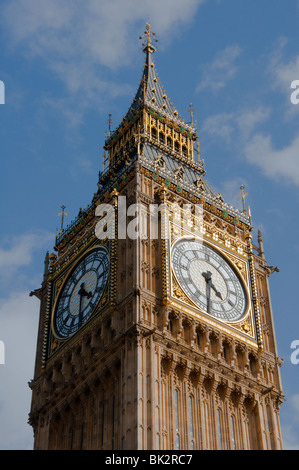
(156, 328)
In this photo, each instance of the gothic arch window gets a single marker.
(219, 429)
(252, 364)
(177, 419)
(191, 424)
(253, 425)
(197, 339)
(270, 426)
(232, 432)
(226, 351)
(161, 137)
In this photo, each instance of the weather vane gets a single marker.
(243, 197)
(62, 214)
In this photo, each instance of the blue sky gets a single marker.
(66, 66)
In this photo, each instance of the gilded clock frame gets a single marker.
(244, 329)
(52, 343)
(102, 300)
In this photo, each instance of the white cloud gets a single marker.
(19, 250)
(283, 71)
(275, 163)
(221, 70)
(240, 129)
(249, 119)
(76, 39)
(18, 330)
(241, 123)
(17, 255)
(220, 125)
(19, 316)
(295, 402)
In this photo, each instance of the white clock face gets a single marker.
(81, 292)
(209, 280)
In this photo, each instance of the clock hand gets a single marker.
(82, 292)
(208, 278)
(218, 294)
(80, 306)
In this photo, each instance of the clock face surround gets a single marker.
(209, 280)
(81, 292)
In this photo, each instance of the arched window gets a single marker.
(177, 430)
(232, 431)
(192, 439)
(219, 429)
(161, 137)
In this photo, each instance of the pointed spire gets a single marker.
(151, 92)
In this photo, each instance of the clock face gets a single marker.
(209, 280)
(81, 292)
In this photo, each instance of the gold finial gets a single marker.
(62, 214)
(109, 122)
(243, 197)
(249, 215)
(191, 112)
(148, 34)
(198, 150)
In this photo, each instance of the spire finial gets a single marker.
(191, 112)
(147, 44)
(109, 122)
(242, 187)
(62, 214)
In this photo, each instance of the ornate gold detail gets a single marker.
(55, 344)
(246, 327)
(178, 291)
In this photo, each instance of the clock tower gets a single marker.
(156, 328)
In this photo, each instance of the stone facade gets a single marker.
(149, 370)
